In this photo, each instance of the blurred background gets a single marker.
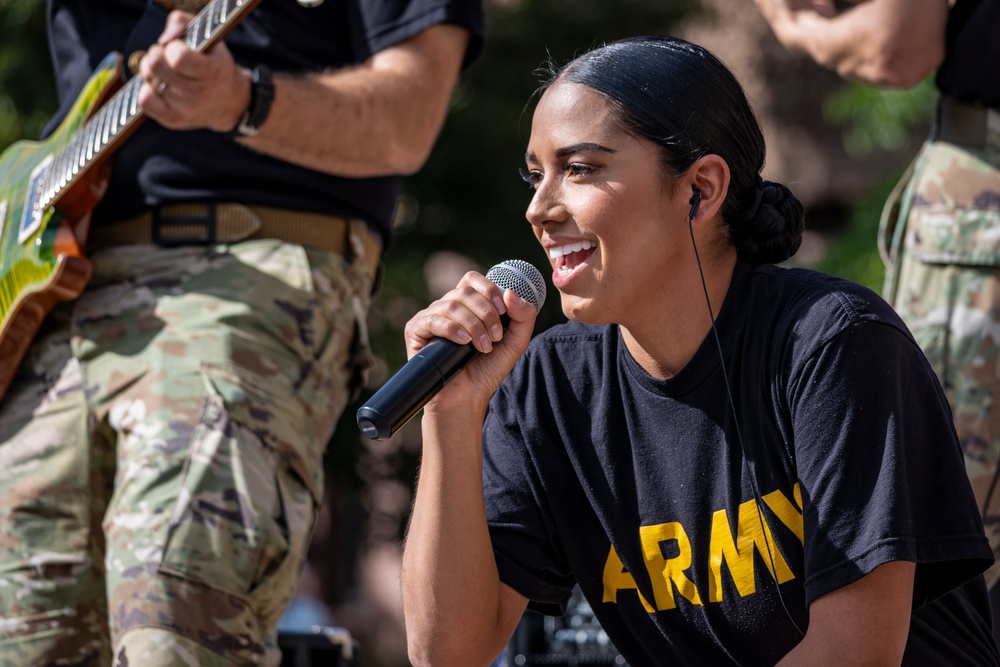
(839, 146)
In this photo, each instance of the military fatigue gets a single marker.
(941, 242)
(161, 453)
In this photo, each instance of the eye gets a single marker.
(532, 178)
(578, 169)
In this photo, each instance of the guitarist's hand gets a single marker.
(187, 90)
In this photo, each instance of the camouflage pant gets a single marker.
(161, 454)
(943, 277)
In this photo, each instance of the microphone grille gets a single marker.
(523, 278)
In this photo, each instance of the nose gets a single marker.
(546, 205)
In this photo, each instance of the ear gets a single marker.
(709, 175)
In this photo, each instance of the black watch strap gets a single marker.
(261, 96)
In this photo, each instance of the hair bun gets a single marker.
(774, 232)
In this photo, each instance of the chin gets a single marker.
(580, 309)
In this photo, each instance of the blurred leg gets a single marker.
(55, 478)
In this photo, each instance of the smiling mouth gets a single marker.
(571, 255)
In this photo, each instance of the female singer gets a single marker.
(738, 463)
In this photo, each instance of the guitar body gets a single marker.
(41, 258)
(48, 190)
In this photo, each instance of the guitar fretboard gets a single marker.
(99, 134)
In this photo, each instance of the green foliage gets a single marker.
(853, 252)
(879, 119)
(873, 120)
(27, 88)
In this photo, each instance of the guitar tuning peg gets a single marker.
(310, 3)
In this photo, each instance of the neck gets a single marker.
(667, 339)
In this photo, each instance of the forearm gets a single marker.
(889, 43)
(864, 623)
(377, 119)
(451, 590)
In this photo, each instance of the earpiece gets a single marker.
(695, 200)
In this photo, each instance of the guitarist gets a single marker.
(162, 443)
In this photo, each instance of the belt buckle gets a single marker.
(159, 221)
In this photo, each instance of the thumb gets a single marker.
(522, 318)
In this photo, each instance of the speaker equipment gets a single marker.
(322, 647)
(573, 640)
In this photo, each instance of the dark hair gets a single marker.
(681, 97)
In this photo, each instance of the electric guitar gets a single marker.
(48, 190)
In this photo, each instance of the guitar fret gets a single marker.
(95, 136)
(133, 107)
(126, 95)
(105, 126)
(90, 135)
(57, 173)
(191, 36)
(46, 195)
(60, 168)
(98, 131)
(115, 111)
(78, 157)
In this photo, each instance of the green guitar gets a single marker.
(48, 190)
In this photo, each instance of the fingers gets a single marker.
(177, 23)
(186, 89)
(470, 313)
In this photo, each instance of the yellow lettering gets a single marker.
(617, 578)
(664, 571)
(752, 533)
(789, 514)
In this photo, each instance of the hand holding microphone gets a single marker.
(441, 359)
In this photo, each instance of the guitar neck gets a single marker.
(102, 133)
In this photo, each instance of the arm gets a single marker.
(890, 43)
(457, 611)
(376, 119)
(864, 623)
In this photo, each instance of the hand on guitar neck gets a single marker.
(186, 89)
(48, 189)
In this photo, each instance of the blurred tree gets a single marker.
(27, 88)
(879, 119)
(873, 120)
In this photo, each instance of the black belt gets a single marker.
(965, 124)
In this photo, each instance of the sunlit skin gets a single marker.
(596, 183)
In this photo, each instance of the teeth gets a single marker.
(556, 253)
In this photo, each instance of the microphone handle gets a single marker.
(416, 383)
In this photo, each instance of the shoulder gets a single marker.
(817, 305)
(393, 21)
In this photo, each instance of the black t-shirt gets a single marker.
(156, 166)
(971, 69)
(650, 495)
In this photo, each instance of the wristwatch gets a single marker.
(261, 96)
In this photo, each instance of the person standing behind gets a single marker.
(162, 443)
(940, 229)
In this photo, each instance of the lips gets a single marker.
(568, 258)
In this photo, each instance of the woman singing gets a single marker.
(738, 463)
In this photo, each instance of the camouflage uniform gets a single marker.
(943, 277)
(161, 453)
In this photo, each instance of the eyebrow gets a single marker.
(570, 150)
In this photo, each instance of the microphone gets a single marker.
(430, 369)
